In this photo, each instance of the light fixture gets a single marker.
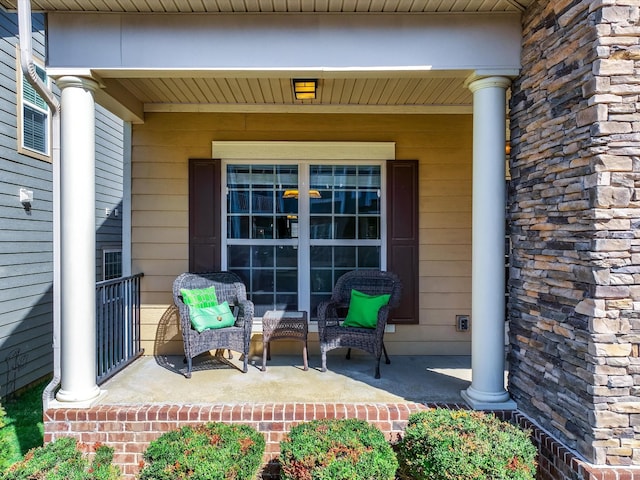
(294, 194)
(305, 88)
(26, 197)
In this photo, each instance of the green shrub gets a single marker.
(5, 445)
(61, 460)
(345, 449)
(444, 444)
(211, 451)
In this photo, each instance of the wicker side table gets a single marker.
(280, 324)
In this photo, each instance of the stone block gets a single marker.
(626, 407)
(616, 14)
(611, 245)
(610, 349)
(603, 325)
(605, 418)
(610, 128)
(609, 196)
(613, 163)
(620, 381)
(592, 114)
(606, 67)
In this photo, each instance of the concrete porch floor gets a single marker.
(420, 379)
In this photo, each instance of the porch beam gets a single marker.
(487, 391)
(78, 240)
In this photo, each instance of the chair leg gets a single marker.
(246, 359)
(230, 355)
(265, 354)
(189, 363)
(384, 349)
(348, 357)
(324, 361)
(377, 368)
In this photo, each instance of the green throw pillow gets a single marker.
(199, 297)
(363, 309)
(218, 316)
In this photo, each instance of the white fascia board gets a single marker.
(284, 41)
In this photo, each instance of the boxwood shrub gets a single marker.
(61, 460)
(443, 444)
(336, 449)
(211, 451)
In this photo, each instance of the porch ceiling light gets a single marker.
(294, 194)
(305, 89)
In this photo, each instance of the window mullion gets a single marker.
(304, 259)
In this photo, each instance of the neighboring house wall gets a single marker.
(109, 154)
(441, 143)
(574, 213)
(26, 238)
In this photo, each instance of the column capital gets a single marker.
(488, 82)
(77, 82)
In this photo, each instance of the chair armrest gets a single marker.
(185, 318)
(383, 315)
(245, 311)
(328, 313)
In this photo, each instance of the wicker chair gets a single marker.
(332, 312)
(228, 287)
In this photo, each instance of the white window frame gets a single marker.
(304, 154)
(21, 103)
(105, 252)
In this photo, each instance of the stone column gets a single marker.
(488, 279)
(78, 241)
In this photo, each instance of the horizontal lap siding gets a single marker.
(441, 143)
(109, 154)
(26, 239)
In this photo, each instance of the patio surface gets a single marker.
(420, 379)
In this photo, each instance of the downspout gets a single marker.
(29, 72)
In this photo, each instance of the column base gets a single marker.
(483, 401)
(82, 399)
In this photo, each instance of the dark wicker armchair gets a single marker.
(228, 287)
(332, 312)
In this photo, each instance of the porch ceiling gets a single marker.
(130, 93)
(443, 93)
(270, 6)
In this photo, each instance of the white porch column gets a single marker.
(488, 280)
(78, 241)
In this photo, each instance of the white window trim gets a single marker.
(303, 153)
(105, 252)
(20, 113)
(365, 151)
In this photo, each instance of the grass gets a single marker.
(23, 427)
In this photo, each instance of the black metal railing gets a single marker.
(117, 324)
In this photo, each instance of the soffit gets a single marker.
(264, 94)
(270, 6)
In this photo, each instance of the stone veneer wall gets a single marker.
(574, 213)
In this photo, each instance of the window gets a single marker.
(344, 221)
(33, 117)
(292, 229)
(111, 263)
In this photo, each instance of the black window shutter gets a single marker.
(204, 215)
(402, 235)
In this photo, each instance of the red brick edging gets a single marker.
(130, 428)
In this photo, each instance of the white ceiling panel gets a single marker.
(270, 6)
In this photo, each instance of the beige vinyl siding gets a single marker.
(441, 143)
